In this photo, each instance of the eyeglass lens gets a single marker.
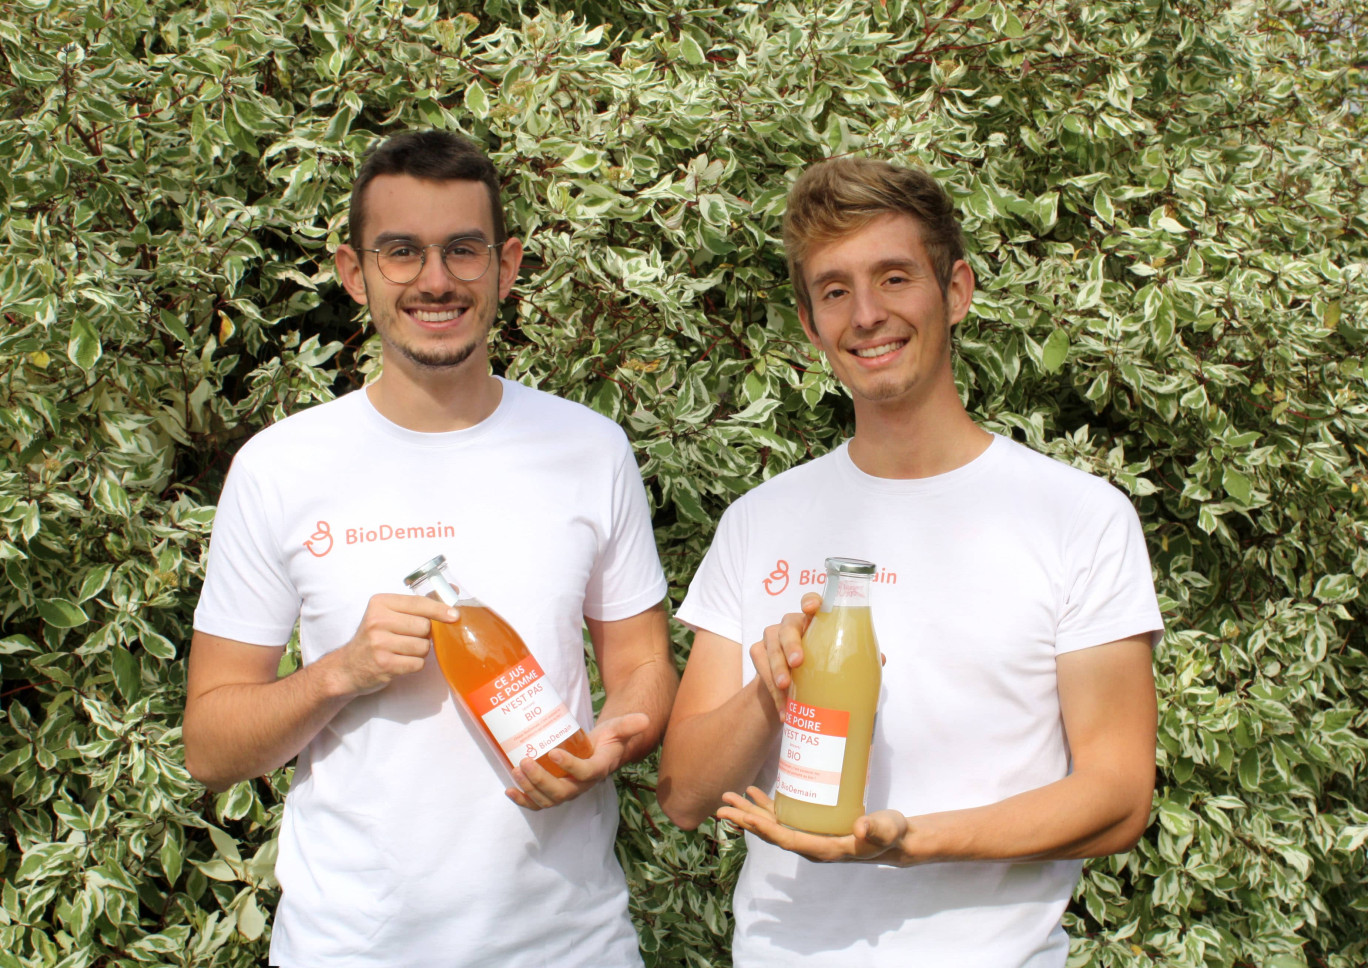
(466, 259)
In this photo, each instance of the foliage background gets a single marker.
(1165, 203)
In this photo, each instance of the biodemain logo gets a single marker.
(322, 541)
(778, 581)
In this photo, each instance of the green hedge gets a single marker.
(1165, 207)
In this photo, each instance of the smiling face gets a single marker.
(879, 314)
(436, 321)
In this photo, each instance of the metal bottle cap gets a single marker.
(425, 570)
(851, 566)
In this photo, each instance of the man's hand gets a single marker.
(878, 838)
(782, 650)
(538, 789)
(392, 640)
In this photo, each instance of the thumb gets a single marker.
(624, 727)
(882, 829)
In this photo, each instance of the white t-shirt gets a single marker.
(398, 846)
(985, 575)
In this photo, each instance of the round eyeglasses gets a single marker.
(401, 261)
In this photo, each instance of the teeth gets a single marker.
(871, 351)
(436, 315)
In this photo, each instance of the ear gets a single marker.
(510, 258)
(960, 293)
(349, 272)
(805, 317)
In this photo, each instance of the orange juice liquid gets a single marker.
(484, 659)
(836, 688)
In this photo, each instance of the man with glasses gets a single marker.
(402, 843)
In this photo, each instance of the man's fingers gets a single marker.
(790, 637)
(535, 784)
(810, 604)
(520, 798)
(779, 668)
(883, 828)
(760, 799)
(403, 664)
(760, 658)
(622, 728)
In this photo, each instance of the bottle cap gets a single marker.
(851, 566)
(425, 570)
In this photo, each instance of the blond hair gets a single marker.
(836, 197)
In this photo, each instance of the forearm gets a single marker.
(715, 752)
(242, 730)
(1086, 814)
(648, 689)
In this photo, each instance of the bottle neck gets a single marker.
(437, 586)
(844, 591)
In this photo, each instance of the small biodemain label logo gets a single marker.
(778, 580)
(321, 541)
(325, 536)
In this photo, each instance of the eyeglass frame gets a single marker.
(475, 241)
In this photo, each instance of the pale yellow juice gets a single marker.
(836, 689)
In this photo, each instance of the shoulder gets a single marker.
(545, 413)
(769, 506)
(1054, 475)
(808, 480)
(329, 427)
(1075, 504)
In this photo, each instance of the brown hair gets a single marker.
(840, 195)
(433, 155)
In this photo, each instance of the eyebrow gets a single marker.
(384, 237)
(911, 267)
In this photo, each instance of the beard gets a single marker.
(437, 356)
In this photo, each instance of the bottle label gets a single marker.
(812, 753)
(852, 590)
(523, 712)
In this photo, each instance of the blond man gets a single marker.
(1015, 608)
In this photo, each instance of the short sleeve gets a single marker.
(248, 595)
(1109, 587)
(627, 578)
(713, 603)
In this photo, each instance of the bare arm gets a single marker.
(721, 732)
(1106, 698)
(639, 682)
(241, 721)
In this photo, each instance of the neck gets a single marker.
(896, 441)
(436, 400)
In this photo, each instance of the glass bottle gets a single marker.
(824, 754)
(492, 673)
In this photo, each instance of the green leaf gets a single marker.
(1055, 351)
(61, 613)
(582, 160)
(226, 845)
(1236, 485)
(15, 644)
(94, 582)
(127, 674)
(476, 101)
(692, 52)
(158, 645)
(250, 922)
(170, 857)
(1102, 205)
(83, 348)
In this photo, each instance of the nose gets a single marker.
(867, 307)
(433, 278)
